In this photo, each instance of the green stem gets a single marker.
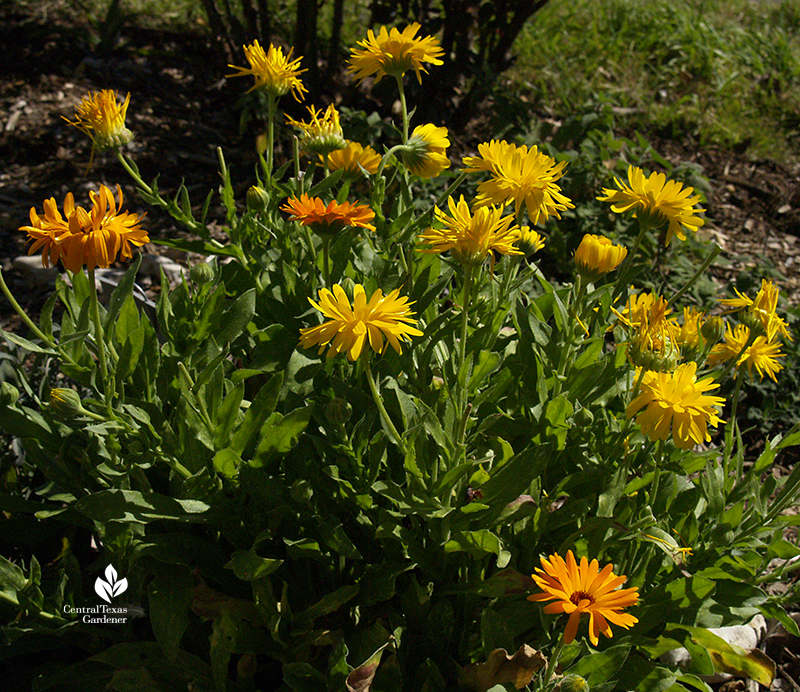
(551, 664)
(579, 290)
(622, 279)
(387, 157)
(729, 431)
(133, 173)
(656, 473)
(465, 315)
(24, 315)
(100, 342)
(326, 270)
(271, 107)
(463, 404)
(400, 88)
(381, 408)
(706, 263)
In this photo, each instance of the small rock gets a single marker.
(30, 266)
(152, 265)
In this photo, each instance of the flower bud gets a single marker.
(257, 199)
(201, 273)
(9, 394)
(597, 256)
(572, 683)
(753, 322)
(713, 330)
(338, 411)
(65, 403)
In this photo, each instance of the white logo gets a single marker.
(110, 588)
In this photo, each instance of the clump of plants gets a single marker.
(370, 445)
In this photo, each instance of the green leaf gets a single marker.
(130, 353)
(601, 666)
(227, 462)
(249, 566)
(590, 354)
(170, 597)
(729, 658)
(134, 506)
(487, 362)
(12, 578)
(282, 435)
(330, 603)
(27, 345)
(227, 415)
(478, 544)
(121, 293)
(236, 317)
(259, 411)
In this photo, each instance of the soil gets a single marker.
(183, 109)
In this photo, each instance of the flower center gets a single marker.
(577, 596)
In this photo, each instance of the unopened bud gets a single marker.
(753, 322)
(201, 273)
(9, 394)
(338, 411)
(257, 199)
(572, 683)
(713, 330)
(65, 403)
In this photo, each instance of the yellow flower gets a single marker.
(323, 133)
(393, 53)
(274, 72)
(425, 151)
(583, 588)
(472, 238)
(690, 331)
(653, 333)
(597, 255)
(350, 328)
(658, 199)
(102, 117)
(761, 354)
(759, 313)
(520, 175)
(676, 403)
(354, 159)
(530, 241)
(79, 238)
(330, 219)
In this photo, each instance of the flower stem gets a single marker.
(24, 315)
(133, 173)
(381, 408)
(656, 473)
(326, 270)
(729, 431)
(462, 354)
(551, 664)
(100, 342)
(400, 88)
(706, 263)
(622, 279)
(271, 103)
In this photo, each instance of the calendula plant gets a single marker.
(362, 451)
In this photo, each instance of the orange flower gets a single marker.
(94, 238)
(583, 588)
(328, 220)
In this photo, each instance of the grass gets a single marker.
(723, 73)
